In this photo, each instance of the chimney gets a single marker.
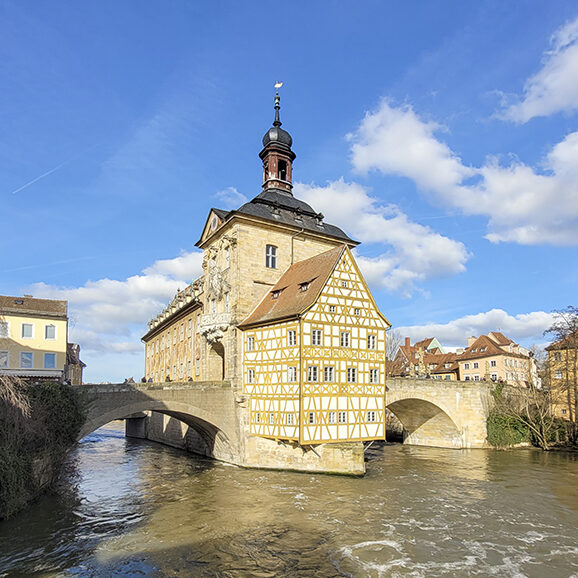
(407, 342)
(471, 340)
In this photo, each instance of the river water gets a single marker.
(135, 508)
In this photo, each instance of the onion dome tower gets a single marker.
(277, 156)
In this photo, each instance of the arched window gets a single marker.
(271, 257)
(282, 170)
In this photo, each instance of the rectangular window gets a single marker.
(257, 417)
(467, 378)
(342, 416)
(312, 373)
(272, 418)
(328, 374)
(50, 361)
(26, 360)
(344, 339)
(357, 311)
(493, 363)
(250, 343)
(476, 365)
(291, 338)
(4, 329)
(332, 309)
(557, 375)
(374, 376)
(311, 418)
(289, 419)
(351, 375)
(344, 283)
(331, 417)
(50, 332)
(271, 257)
(292, 374)
(476, 378)
(316, 337)
(27, 330)
(251, 376)
(494, 376)
(198, 367)
(371, 416)
(371, 341)
(466, 365)
(557, 354)
(3, 359)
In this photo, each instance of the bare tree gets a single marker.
(393, 342)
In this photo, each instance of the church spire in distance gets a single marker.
(277, 155)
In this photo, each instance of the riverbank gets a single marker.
(40, 422)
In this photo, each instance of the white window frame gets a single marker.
(292, 374)
(4, 354)
(31, 336)
(251, 343)
(46, 356)
(251, 376)
(352, 375)
(289, 419)
(317, 337)
(476, 365)
(374, 376)
(329, 374)
(291, 338)
(332, 309)
(331, 417)
(271, 256)
(372, 341)
(29, 355)
(466, 365)
(311, 417)
(558, 375)
(344, 340)
(5, 329)
(371, 416)
(493, 363)
(341, 417)
(312, 373)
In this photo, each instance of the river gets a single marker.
(134, 508)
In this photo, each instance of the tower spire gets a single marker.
(277, 155)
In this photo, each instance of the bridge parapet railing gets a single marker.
(166, 385)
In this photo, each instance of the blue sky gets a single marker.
(443, 135)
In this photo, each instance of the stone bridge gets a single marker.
(209, 418)
(447, 414)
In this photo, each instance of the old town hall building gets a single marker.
(283, 313)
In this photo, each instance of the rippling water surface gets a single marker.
(129, 508)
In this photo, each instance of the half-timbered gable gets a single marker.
(314, 355)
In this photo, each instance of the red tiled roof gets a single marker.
(489, 347)
(499, 338)
(291, 300)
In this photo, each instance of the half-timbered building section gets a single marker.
(314, 355)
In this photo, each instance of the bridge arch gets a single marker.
(217, 441)
(426, 422)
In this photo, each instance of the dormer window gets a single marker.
(271, 257)
(275, 294)
(304, 286)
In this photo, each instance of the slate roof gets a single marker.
(282, 207)
(31, 306)
(291, 300)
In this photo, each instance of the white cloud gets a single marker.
(523, 205)
(109, 316)
(527, 327)
(231, 198)
(554, 88)
(412, 252)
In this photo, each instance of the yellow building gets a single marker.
(33, 337)
(314, 355)
(563, 376)
(250, 256)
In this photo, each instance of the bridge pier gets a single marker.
(136, 425)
